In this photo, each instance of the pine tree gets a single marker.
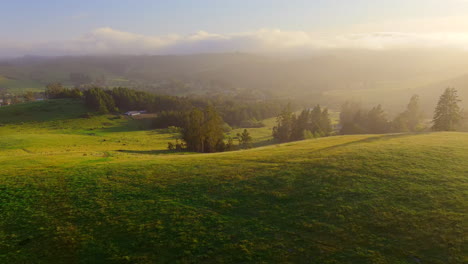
(212, 130)
(447, 115)
(410, 119)
(315, 120)
(377, 121)
(300, 125)
(282, 131)
(325, 123)
(192, 131)
(245, 140)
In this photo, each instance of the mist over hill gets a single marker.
(388, 77)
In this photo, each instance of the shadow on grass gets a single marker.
(152, 152)
(42, 111)
(264, 143)
(380, 137)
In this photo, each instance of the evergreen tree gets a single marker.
(300, 125)
(357, 125)
(192, 132)
(212, 129)
(99, 100)
(447, 115)
(325, 123)
(245, 140)
(410, 119)
(315, 120)
(282, 131)
(377, 122)
(348, 112)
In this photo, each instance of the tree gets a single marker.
(348, 112)
(203, 131)
(54, 90)
(29, 96)
(192, 132)
(325, 123)
(377, 121)
(410, 119)
(99, 100)
(282, 131)
(447, 115)
(213, 130)
(308, 124)
(245, 140)
(314, 122)
(357, 125)
(75, 93)
(300, 125)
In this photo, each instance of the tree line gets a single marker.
(448, 116)
(308, 124)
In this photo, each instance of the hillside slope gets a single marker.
(349, 199)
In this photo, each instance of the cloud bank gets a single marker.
(107, 40)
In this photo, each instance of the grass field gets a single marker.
(20, 86)
(100, 190)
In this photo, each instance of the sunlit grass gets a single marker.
(75, 190)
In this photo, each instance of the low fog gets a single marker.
(329, 77)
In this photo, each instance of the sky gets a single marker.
(65, 27)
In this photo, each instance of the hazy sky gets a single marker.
(51, 27)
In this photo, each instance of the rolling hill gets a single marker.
(99, 190)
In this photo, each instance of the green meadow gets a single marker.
(17, 86)
(79, 188)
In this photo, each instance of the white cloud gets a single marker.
(110, 41)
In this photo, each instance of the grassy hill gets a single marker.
(98, 190)
(17, 86)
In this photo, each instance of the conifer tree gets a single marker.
(325, 123)
(282, 131)
(245, 140)
(447, 115)
(377, 121)
(410, 119)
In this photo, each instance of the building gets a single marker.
(132, 113)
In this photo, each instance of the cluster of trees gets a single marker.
(203, 131)
(308, 124)
(124, 99)
(57, 91)
(172, 108)
(356, 120)
(100, 100)
(448, 116)
(246, 114)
